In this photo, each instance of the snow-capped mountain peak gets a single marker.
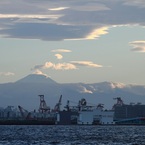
(36, 78)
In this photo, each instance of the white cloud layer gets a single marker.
(67, 20)
(67, 66)
(38, 72)
(22, 16)
(98, 32)
(58, 56)
(58, 9)
(138, 3)
(61, 50)
(138, 46)
(85, 90)
(58, 66)
(86, 63)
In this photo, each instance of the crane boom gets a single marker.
(57, 106)
(24, 113)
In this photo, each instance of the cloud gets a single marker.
(91, 6)
(22, 16)
(85, 90)
(7, 74)
(96, 33)
(58, 9)
(58, 32)
(38, 72)
(138, 3)
(61, 50)
(86, 63)
(138, 46)
(58, 56)
(67, 20)
(58, 66)
(66, 66)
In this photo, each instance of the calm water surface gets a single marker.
(72, 135)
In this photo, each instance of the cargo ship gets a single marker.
(83, 114)
(80, 114)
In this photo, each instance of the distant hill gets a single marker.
(25, 91)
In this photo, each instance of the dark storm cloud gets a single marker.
(59, 20)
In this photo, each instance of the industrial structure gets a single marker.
(84, 114)
(129, 113)
(80, 114)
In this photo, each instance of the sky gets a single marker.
(73, 41)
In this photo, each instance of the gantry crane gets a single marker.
(43, 106)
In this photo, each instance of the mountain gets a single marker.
(36, 78)
(25, 91)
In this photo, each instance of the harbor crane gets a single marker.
(57, 106)
(43, 106)
(24, 113)
(119, 102)
(100, 106)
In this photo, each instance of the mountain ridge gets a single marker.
(26, 90)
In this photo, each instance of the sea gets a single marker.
(71, 135)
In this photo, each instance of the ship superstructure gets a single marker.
(84, 114)
(94, 114)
